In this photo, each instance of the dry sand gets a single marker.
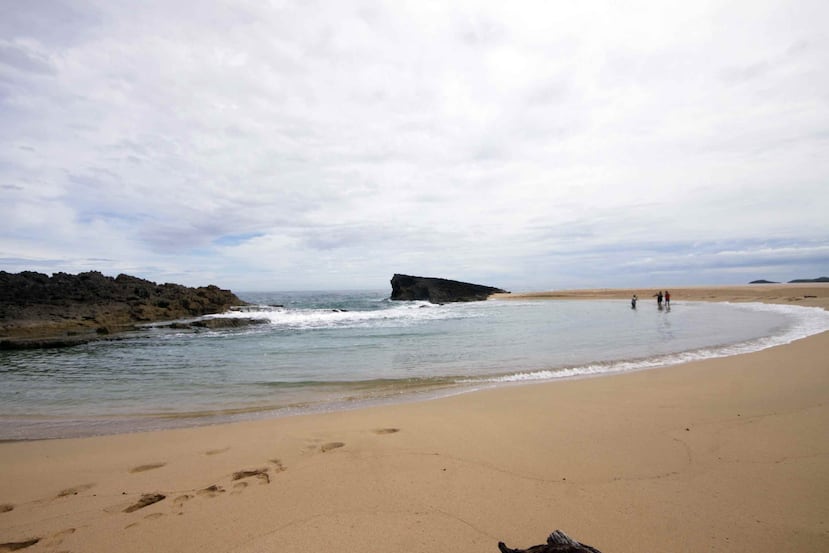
(726, 455)
(814, 295)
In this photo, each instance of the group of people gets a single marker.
(659, 297)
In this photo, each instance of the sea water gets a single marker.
(327, 351)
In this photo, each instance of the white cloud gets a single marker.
(330, 144)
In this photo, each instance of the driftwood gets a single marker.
(557, 542)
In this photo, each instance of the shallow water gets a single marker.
(334, 350)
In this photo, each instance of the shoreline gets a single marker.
(727, 454)
(79, 424)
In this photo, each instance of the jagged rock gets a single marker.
(557, 542)
(438, 290)
(41, 311)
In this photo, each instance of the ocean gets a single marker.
(329, 351)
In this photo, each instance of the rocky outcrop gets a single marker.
(438, 290)
(219, 323)
(40, 311)
(557, 542)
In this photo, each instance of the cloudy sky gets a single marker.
(314, 145)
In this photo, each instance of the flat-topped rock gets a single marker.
(438, 290)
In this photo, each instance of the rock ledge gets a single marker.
(438, 290)
(38, 311)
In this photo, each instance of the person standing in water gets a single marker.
(633, 302)
(659, 299)
(667, 299)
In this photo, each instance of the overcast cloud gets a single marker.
(309, 145)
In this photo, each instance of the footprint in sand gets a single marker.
(312, 445)
(145, 501)
(75, 490)
(178, 503)
(261, 474)
(144, 468)
(211, 491)
(386, 430)
(239, 487)
(53, 541)
(216, 451)
(18, 545)
(153, 516)
(182, 499)
(331, 445)
(278, 466)
(6, 507)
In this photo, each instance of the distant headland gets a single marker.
(795, 281)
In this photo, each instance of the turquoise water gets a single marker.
(336, 350)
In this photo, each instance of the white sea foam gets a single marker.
(401, 314)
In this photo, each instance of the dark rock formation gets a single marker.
(809, 280)
(41, 311)
(557, 542)
(817, 280)
(214, 323)
(438, 290)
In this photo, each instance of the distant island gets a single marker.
(796, 281)
(37, 310)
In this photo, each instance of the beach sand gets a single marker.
(726, 455)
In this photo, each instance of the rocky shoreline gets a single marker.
(41, 311)
(38, 311)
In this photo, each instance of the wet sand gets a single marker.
(721, 455)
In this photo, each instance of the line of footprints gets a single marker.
(239, 481)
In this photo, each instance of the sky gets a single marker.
(316, 145)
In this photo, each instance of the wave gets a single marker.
(400, 314)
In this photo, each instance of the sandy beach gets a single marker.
(726, 455)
